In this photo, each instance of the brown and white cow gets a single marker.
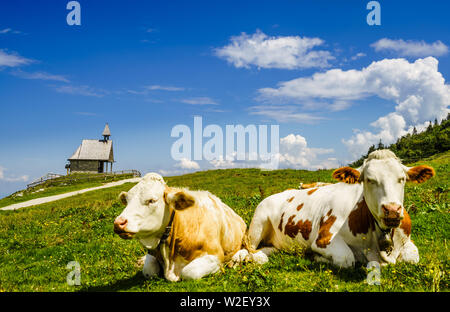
(361, 219)
(189, 233)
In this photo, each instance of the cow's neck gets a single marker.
(167, 231)
(168, 228)
(384, 236)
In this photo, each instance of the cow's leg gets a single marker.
(200, 267)
(259, 228)
(240, 257)
(373, 255)
(409, 253)
(337, 251)
(169, 266)
(151, 266)
(259, 231)
(404, 248)
(262, 255)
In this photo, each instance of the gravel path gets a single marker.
(43, 200)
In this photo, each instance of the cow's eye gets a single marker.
(150, 201)
(401, 180)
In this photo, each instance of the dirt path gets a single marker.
(43, 200)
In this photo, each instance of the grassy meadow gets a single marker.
(36, 243)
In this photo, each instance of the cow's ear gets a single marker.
(419, 174)
(123, 197)
(180, 200)
(347, 174)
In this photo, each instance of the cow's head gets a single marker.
(383, 178)
(147, 211)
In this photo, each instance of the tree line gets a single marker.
(417, 145)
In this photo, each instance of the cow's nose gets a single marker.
(120, 225)
(391, 210)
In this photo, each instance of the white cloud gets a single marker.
(23, 178)
(285, 52)
(9, 31)
(227, 162)
(295, 153)
(390, 127)
(411, 48)
(409, 85)
(334, 84)
(39, 76)
(283, 114)
(215, 110)
(358, 56)
(187, 164)
(164, 88)
(231, 161)
(420, 94)
(81, 90)
(200, 101)
(136, 92)
(418, 90)
(12, 60)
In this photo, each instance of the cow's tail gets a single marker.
(247, 245)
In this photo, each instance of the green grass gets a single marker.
(36, 243)
(59, 186)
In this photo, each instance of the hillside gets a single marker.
(61, 185)
(37, 243)
(412, 147)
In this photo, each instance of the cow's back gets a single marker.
(208, 227)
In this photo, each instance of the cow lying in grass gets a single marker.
(361, 219)
(189, 233)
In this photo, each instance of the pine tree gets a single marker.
(380, 145)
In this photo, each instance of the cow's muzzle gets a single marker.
(120, 225)
(392, 214)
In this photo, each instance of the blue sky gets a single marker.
(315, 68)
